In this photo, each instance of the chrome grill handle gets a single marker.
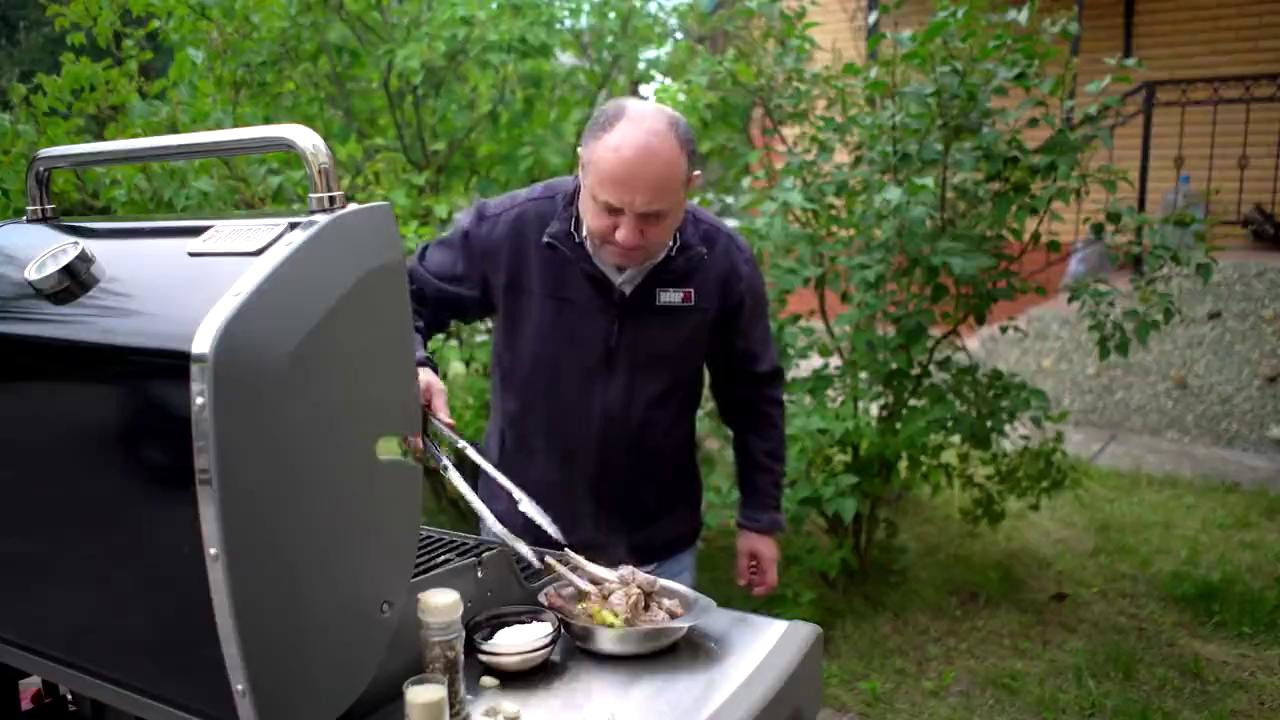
(325, 195)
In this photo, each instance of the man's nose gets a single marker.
(628, 235)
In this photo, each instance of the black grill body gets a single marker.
(102, 554)
(197, 521)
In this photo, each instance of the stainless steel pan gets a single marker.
(642, 640)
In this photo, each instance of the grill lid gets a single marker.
(287, 353)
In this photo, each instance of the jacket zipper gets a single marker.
(619, 297)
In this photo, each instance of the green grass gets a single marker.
(1171, 609)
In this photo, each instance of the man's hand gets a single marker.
(435, 398)
(757, 562)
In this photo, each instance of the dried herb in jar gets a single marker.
(442, 641)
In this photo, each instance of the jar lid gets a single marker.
(440, 605)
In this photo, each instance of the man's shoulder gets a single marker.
(541, 197)
(719, 236)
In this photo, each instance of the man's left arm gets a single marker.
(747, 384)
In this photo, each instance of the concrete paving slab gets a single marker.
(1127, 451)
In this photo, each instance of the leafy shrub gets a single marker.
(905, 193)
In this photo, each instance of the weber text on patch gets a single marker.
(675, 296)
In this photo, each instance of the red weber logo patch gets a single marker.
(675, 296)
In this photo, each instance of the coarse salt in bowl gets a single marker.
(521, 633)
(514, 629)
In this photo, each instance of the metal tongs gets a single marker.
(472, 499)
(524, 503)
(594, 572)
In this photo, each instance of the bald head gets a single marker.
(645, 119)
(637, 166)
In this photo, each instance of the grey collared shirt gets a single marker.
(625, 279)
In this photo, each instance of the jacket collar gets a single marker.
(565, 227)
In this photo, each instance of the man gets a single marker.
(610, 294)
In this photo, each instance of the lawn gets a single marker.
(1133, 597)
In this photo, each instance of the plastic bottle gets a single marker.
(1184, 198)
(443, 643)
(1088, 257)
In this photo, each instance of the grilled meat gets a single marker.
(625, 597)
(627, 603)
(631, 576)
(670, 606)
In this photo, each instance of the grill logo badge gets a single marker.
(675, 296)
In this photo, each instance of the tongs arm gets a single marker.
(524, 503)
(599, 573)
(486, 515)
(578, 583)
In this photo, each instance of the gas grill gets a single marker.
(197, 523)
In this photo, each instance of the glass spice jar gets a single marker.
(442, 640)
(426, 697)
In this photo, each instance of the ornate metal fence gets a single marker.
(1226, 130)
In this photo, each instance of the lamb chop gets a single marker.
(612, 598)
(670, 606)
(628, 575)
(609, 588)
(627, 603)
(653, 615)
(588, 608)
(565, 601)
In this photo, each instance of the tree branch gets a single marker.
(855, 532)
(459, 142)
(773, 121)
(607, 76)
(417, 120)
(871, 525)
(820, 287)
(942, 191)
(585, 48)
(1027, 245)
(345, 106)
(786, 143)
(395, 115)
(893, 133)
(200, 11)
(933, 350)
(348, 18)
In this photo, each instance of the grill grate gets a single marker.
(438, 549)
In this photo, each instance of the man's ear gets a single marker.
(695, 179)
(580, 161)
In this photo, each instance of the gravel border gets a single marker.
(1213, 378)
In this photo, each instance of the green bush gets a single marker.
(905, 192)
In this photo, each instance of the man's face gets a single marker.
(632, 201)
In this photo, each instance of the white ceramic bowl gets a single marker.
(517, 662)
(521, 656)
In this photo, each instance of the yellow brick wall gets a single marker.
(1192, 39)
(1173, 39)
(842, 28)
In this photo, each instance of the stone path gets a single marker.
(1122, 450)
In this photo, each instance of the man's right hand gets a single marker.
(434, 396)
(435, 400)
